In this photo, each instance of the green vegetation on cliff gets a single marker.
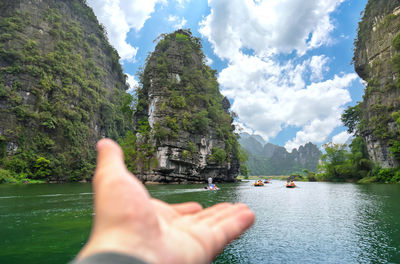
(61, 89)
(178, 101)
(338, 164)
(374, 121)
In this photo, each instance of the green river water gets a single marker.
(315, 223)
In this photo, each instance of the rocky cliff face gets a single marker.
(61, 89)
(377, 61)
(182, 117)
(271, 159)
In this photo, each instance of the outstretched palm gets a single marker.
(129, 221)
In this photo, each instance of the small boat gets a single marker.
(211, 187)
(258, 183)
(290, 185)
(266, 181)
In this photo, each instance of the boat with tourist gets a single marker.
(258, 183)
(211, 187)
(290, 184)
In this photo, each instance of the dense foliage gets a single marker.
(61, 89)
(340, 164)
(375, 119)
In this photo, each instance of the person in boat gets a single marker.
(210, 181)
(131, 227)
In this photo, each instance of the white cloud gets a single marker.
(268, 27)
(178, 22)
(182, 3)
(119, 17)
(270, 95)
(241, 128)
(363, 83)
(318, 67)
(133, 83)
(172, 18)
(341, 138)
(208, 61)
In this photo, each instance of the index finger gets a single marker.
(110, 160)
(109, 152)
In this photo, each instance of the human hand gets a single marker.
(127, 220)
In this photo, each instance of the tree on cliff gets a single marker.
(338, 164)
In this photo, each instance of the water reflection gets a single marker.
(314, 223)
(318, 222)
(378, 225)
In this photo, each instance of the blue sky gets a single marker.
(284, 65)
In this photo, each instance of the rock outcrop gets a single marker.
(61, 89)
(182, 118)
(377, 61)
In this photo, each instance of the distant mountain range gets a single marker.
(269, 159)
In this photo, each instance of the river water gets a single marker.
(314, 223)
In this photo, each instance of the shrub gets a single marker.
(218, 155)
(186, 154)
(41, 168)
(186, 123)
(200, 121)
(396, 42)
(163, 44)
(3, 146)
(6, 176)
(159, 132)
(177, 101)
(395, 150)
(191, 147)
(19, 164)
(181, 37)
(396, 62)
(388, 175)
(5, 37)
(171, 123)
(396, 178)
(244, 171)
(128, 145)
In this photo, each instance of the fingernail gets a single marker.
(101, 143)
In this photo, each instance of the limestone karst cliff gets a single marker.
(184, 130)
(377, 61)
(270, 159)
(61, 89)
